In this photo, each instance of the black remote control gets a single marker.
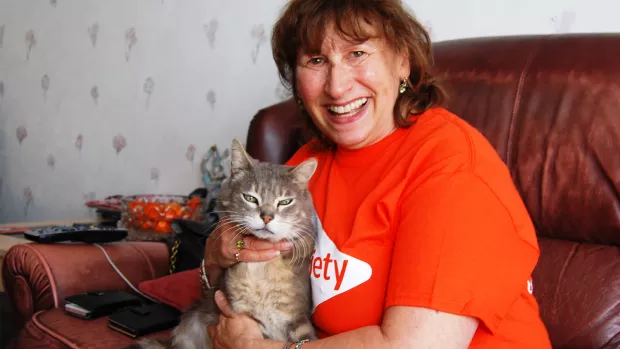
(77, 233)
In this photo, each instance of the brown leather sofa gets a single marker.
(551, 107)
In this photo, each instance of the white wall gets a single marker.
(187, 48)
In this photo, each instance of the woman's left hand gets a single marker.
(234, 330)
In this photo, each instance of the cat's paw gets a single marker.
(302, 331)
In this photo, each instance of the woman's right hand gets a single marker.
(221, 247)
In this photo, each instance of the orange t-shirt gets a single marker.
(427, 217)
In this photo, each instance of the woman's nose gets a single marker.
(339, 81)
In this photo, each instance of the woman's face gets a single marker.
(350, 89)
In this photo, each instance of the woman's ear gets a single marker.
(403, 64)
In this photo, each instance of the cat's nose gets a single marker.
(266, 218)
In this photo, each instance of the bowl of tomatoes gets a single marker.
(155, 213)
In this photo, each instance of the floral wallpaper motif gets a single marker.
(259, 36)
(148, 87)
(155, 175)
(210, 31)
(28, 198)
(190, 153)
(90, 196)
(282, 93)
(31, 41)
(21, 134)
(94, 93)
(211, 99)
(93, 31)
(79, 141)
(130, 40)
(51, 161)
(119, 143)
(564, 22)
(45, 85)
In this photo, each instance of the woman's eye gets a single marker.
(358, 54)
(316, 60)
(285, 202)
(250, 198)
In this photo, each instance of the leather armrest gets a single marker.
(276, 133)
(39, 276)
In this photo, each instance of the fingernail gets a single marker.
(275, 253)
(288, 245)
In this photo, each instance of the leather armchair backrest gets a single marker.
(276, 132)
(550, 105)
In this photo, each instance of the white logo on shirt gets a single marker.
(333, 272)
(530, 286)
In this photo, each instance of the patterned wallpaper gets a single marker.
(124, 97)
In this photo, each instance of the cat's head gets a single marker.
(268, 200)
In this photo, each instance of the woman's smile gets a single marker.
(347, 113)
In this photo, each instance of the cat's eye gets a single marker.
(250, 198)
(285, 202)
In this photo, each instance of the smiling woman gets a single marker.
(361, 59)
(422, 238)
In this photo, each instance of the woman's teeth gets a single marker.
(346, 109)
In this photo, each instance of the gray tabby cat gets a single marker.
(271, 202)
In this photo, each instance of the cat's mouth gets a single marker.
(262, 231)
(266, 234)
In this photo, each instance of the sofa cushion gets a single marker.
(54, 329)
(179, 290)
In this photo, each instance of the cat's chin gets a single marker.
(266, 234)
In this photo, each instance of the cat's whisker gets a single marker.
(294, 251)
(296, 256)
(299, 243)
(236, 226)
(215, 223)
(224, 212)
(307, 247)
(308, 234)
(240, 232)
(308, 241)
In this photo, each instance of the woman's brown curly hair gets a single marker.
(302, 26)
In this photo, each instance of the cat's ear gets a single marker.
(304, 171)
(239, 159)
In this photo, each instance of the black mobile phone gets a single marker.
(92, 305)
(142, 320)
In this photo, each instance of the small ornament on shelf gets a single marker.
(215, 166)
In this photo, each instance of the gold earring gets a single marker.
(300, 103)
(403, 86)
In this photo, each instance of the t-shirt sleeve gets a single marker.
(457, 250)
